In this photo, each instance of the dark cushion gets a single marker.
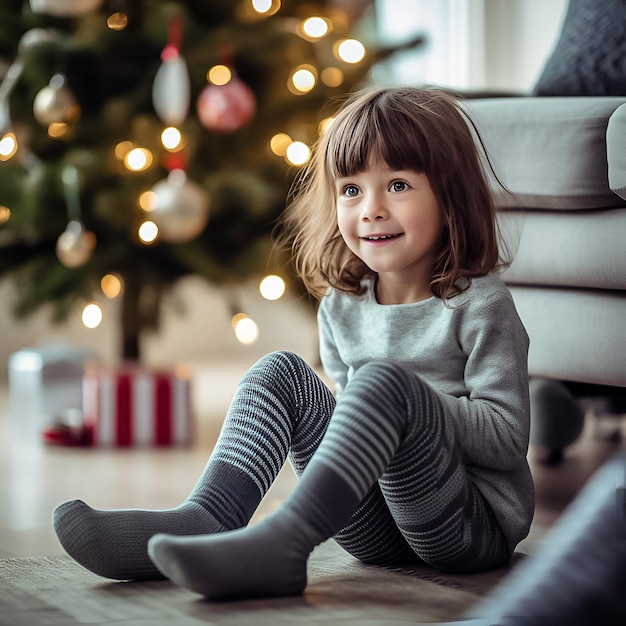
(590, 56)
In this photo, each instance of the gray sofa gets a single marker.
(564, 160)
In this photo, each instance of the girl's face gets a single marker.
(391, 220)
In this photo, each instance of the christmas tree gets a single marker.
(145, 140)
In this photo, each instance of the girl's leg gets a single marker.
(387, 425)
(279, 403)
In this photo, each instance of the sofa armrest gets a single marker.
(616, 151)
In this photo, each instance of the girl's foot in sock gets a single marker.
(265, 560)
(114, 543)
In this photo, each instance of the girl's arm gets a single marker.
(334, 367)
(493, 420)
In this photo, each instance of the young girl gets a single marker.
(421, 451)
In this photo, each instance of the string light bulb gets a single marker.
(148, 232)
(8, 146)
(56, 130)
(172, 139)
(147, 201)
(219, 75)
(117, 21)
(297, 153)
(111, 285)
(92, 315)
(332, 76)
(272, 287)
(350, 50)
(5, 214)
(266, 7)
(302, 79)
(246, 329)
(314, 28)
(138, 159)
(279, 143)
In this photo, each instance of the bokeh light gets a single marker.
(246, 329)
(92, 315)
(350, 50)
(117, 21)
(219, 74)
(111, 285)
(8, 146)
(297, 153)
(138, 159)
(279, 143)
(272, 287)
(148, 232)
(172, 139)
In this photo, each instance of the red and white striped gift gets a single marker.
(133, 406)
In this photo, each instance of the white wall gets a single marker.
(498, 45)
(520, 35)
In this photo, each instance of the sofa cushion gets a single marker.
(566, 248)
(550, 152)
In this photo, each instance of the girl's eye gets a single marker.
(399, 185)
(350, 191)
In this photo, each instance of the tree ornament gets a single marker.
(55, 102)
(180, 208)
(35, 37)
(75, 244)
(171, 90)
(64, 8)
(30, 39)
(226, 108)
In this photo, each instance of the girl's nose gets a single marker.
(374, 210)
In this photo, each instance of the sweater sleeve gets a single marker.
(334, 367)
(492, 421)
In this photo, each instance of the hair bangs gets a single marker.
(374, 131)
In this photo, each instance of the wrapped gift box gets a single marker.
(45, 387)
(133, 406)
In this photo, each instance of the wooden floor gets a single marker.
(34, 478)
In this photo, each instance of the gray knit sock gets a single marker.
(113, 543)
(267, 559)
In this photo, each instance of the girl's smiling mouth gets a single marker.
(382, 238)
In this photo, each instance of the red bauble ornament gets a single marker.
(226, 108)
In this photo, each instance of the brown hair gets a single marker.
(421, 129)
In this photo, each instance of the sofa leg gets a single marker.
(556, 418)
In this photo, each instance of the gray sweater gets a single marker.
(473, 350)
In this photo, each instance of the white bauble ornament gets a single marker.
(226, 108)
(55, 102)
(171, 90)
(75, 244)
(64, 8)
(180, 208)
(36, 37)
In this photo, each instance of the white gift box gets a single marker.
(45, 387)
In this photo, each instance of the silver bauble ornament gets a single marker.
(36, 37)
(75, 244)
(64, 8)
(180, 208)
(55, 102)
